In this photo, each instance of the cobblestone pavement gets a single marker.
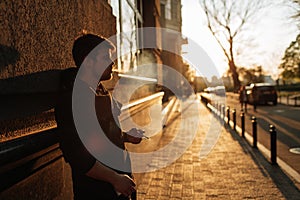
(231, 170)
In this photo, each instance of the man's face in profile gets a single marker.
(103, 61)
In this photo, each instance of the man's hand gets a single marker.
(134, 136)
(123, 184)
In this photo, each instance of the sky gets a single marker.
(272, 34)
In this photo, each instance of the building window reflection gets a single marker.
(129, 18)
(168, 10)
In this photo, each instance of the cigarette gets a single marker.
(144, 136)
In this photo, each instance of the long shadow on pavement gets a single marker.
(287, 187)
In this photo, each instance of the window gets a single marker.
(129, 19)
(174, 10)
(168, 10)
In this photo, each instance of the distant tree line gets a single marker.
(291, 61)
(290, 64)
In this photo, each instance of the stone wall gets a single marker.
(36, 38)
(37, 35)
(35, 44)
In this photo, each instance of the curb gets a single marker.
(264, 151)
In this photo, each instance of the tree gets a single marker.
(251, 75)
(226, 20)
(290, 64)
(291, 61)
(296, 3)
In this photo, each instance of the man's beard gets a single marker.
(107, 74)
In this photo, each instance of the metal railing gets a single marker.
(230, 121)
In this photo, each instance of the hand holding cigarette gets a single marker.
(135, 136)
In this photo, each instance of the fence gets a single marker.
(229, 117)
(290, 100)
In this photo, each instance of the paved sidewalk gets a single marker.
(232, 170)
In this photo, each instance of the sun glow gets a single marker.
(271, 35)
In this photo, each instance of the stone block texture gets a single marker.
(37, 35)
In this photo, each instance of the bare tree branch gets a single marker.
(226, 20)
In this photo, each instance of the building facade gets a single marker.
(171, 20)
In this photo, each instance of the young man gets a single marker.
(93, 179)
(243, 98)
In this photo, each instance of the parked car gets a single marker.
(262, 93)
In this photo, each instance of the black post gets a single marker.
(213, 107)
(234, 119)
(273, 144)
(223, 111)
(228, 114)
(243, 124)
(254, 131)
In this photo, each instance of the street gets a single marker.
(284, 118)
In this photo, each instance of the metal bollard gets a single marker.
(215, 107)
(254, 131)
(228, 114)
(234, 119)
(243, 124)
(273, 144)
(223, 112)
